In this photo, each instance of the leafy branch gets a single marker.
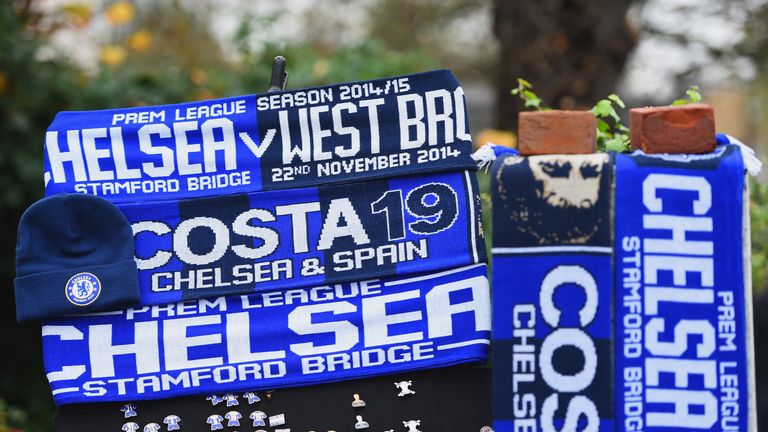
(694, 96)
(613, 136)
(524, 89)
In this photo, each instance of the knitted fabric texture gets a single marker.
(74, 255)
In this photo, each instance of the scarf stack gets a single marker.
(280, 240)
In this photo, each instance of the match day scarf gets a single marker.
(307, 137)
(683, 317)
(268, 240)
(270, 340)
(552, 327)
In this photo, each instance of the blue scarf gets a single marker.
(270, 340)
(353, 131)
(674, 347)
(268, 240)
(552, 364)
(680, 303)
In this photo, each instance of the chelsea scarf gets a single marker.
(552, 293)
(677, 353)
(683, 329)
(259, 241)
(345, 132)
(270, 340)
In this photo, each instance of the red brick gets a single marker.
(556, 132)
(673, 129)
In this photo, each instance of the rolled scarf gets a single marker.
(270, 340)
(307, 137)
(268, 240)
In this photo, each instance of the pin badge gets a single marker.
(252, 397)
(411, 425)
(172, 421)
(405, 388)
(258, 418)
(361, 424)
(129, 410)
(486, 429)
(215, 422)
(233, 418)
(215, 399)
(152, 427)
(282, 430)
(231, 399)
(357, 403)
(277, 420)
(130, 427)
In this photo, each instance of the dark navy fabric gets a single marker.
(552, 293)
(680, 292)
(270, 340)
(66, 235)
(324, 407)
(267, 240)
(306, 137)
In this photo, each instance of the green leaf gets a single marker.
(693, 94)
(678, 102)
(533, 102)
(617, 100)
(602, 125)
(615, 116)
(602, 108)
(616, 144)
(529, 94)
(523, 83)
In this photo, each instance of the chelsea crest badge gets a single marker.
(83, 289)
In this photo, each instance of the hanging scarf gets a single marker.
(307, 137)
(552, 275)
(681, 303)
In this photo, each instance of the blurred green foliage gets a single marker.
(11, 418)
(149, 61)
(759, 213)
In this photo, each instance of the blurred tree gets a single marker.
(574, 51)
(448, 29)
(31, 91)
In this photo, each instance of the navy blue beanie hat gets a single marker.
(74, 255)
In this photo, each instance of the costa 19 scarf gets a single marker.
(259, 241)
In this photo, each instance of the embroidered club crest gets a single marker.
(83, 289)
